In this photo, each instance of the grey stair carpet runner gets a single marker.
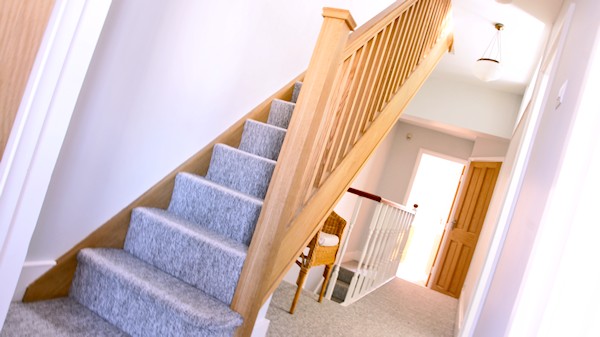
(341, 285)
(179, 268)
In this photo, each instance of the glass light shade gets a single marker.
(488, 69)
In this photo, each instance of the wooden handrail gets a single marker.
(372, 73)
(364, 194)
(377, 198)
(375, 25)
(354, 91)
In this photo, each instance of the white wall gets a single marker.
(166, 78)
(540, 178)
(565, 306)
(467, 106)
(489, 147)
(399, 169)
(368, 181)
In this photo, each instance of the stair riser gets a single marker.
(281, 113)
(240, 170)
(132, 310)
(233, 215)
(198, 260)
(262, 139)
(340, 290)
(345, 275)
(61, 317)
(296, 92)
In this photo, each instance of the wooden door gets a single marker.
(460, 240)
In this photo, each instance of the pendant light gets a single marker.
(488, 68)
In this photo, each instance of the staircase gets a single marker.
(342, 284)
(201, 251)
(177, 272)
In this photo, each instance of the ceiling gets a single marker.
(527, 24)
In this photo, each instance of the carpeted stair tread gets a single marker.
(345, 275)
(262, 139)
(218, 208)
(198, 256)
(340, 290)
(61, 317)
(296, 92)
(240, 170)
(144, 301)
(281, 113)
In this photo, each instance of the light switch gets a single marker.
(561, 94)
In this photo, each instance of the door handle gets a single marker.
(452, 224)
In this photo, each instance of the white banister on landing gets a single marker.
(380, 255)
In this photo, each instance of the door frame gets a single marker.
(461, 161)
(420, 154)
(40, 126)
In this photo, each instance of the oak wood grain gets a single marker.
(22, 26)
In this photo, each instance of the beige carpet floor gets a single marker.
(398, 308)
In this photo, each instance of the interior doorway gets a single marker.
(465, 224)
(433, 188)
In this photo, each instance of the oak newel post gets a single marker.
(295, 166)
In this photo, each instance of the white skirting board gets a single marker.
(30, 272)
(261, 326)
(459, 315)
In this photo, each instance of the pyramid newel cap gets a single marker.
(342, 14)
